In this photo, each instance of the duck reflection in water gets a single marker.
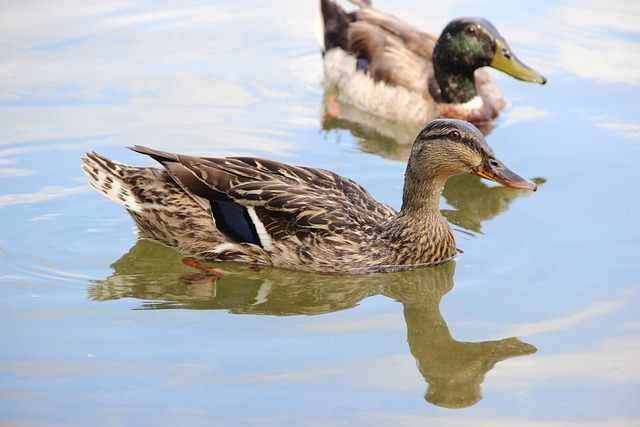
(378, 135)
(454, 370)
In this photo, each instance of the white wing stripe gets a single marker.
(265, 239)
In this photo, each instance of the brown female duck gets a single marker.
(252, 210)
(394, 70)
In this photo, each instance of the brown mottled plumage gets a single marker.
(394, 70)
(261, 211)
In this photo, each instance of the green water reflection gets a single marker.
(454, 370)
(476, 201)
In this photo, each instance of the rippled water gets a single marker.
(536, 324)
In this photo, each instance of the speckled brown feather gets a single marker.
(303, 209)
(160, 208)
(305, 218)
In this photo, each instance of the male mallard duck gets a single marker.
(394, 70)
(261, 211)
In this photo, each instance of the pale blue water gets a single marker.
(97, 329)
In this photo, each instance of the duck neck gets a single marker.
(421, 196)
(419, 233)
(455, 86)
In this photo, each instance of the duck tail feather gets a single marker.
(110, 178)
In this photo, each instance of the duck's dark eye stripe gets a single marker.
(455, 135)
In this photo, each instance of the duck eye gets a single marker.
(455, 135)
(471, 30)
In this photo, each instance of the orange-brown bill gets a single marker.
(494, 170)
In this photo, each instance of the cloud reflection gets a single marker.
(47, 193)
(589, 313)
(14, 173)
(615, 361)
(627, 130)
(592, 39)
(158, 75)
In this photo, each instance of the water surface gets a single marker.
(536, 323)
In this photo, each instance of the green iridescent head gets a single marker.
(467, 44)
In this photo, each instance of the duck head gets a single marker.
(446, 147)
(467, 44)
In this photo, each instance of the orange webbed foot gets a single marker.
(333, 108)
(209, 274)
